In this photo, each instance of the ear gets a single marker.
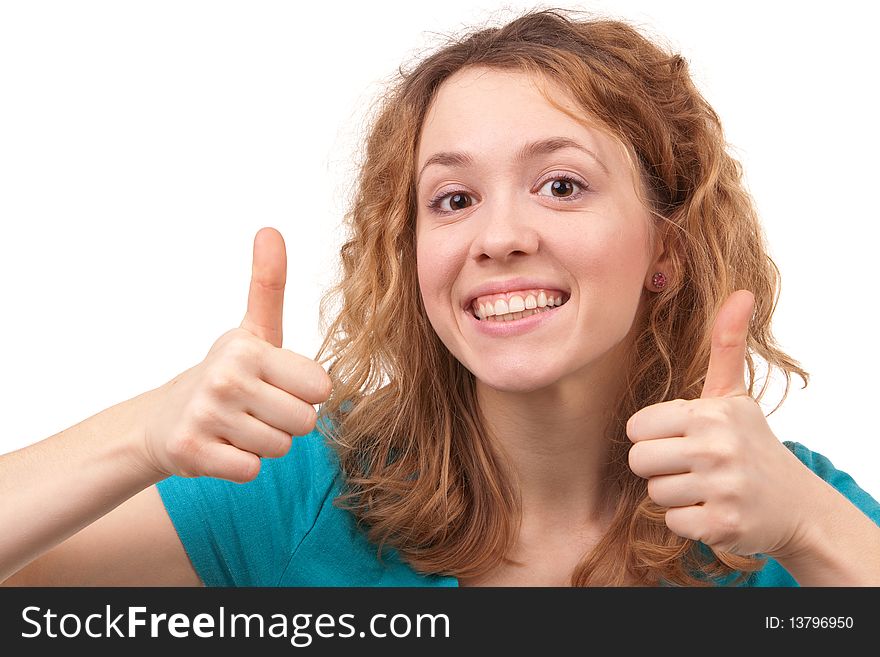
(662, 261)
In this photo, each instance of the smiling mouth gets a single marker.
(549, 306)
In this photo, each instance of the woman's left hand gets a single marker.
(727, 480)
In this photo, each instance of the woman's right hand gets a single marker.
(247, 397)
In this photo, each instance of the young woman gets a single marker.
(554, 294)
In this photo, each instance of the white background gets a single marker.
(142, 145)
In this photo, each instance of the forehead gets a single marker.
(481, 108)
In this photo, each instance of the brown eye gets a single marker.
(562, 188)
(459, 201)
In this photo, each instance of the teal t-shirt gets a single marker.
(282, 528)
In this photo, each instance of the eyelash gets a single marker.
(434, 203)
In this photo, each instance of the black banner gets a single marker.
(432, 621)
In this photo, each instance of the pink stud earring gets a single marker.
(658, 280)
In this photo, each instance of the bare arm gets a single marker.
(133, 545)
(79, 508)
(838, 546)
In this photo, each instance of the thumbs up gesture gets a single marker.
(247, 397)
(714, 462)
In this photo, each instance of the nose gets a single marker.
(503, 230)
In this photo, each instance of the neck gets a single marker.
(556, 441)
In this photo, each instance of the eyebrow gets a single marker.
(462, 160)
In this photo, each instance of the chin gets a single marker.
(516, 381)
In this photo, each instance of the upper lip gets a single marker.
(509, 285)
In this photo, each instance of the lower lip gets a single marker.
(515, 327)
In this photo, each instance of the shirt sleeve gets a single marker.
(244, 534)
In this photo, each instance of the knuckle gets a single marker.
(181, 447)
(200, 459)
(240, 348)
(631, 426)
(725, 409)
(233, 345)
(747, 406)
(634, 459)
(204, 412)
(708, 415)
(722, 452)
(315, 379)
(306, 418)
(248, 470)
(735, 486)
(652, 488)
(325, 386)
(282, 445)
(221, 342)
(224, 383)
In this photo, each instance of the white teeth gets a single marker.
(517, 304)
(509, 317)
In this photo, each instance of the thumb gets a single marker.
(725, 377)
(266, 294)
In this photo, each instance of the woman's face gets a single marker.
(528, 204)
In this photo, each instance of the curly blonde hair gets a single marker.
(420, 470)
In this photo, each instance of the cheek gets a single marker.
(437, 267)
(612, 260)
(609, 267)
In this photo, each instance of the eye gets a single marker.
(458, 200)
(563, 187)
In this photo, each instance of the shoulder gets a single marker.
(335, 550)
(283, 528)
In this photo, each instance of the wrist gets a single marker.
(808, 516)
(833, 545)
(135, 445)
